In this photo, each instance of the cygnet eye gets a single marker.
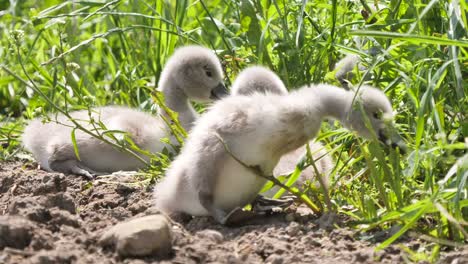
(377, 115)
(208, 73)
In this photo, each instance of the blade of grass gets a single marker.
(418, 39)
(405, 228)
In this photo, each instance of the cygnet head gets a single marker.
(371, 115)
(258, 79)
(197, 72)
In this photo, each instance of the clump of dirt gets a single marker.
(55, 218)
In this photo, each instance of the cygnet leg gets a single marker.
(63, 159)
(239, 215)
(206, 200)
(236, 216)
(206, 190)
(263, 204)
(180, 217)
(72, 166)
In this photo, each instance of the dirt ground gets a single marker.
(56, 218)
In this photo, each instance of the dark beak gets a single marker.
(395, 141)
(219, 92)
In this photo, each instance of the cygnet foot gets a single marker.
(74, 167)
(327, 220)
(180, 217)
(264, 204)
(238, 216)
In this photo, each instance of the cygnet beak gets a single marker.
(219, 92)
(394, 141)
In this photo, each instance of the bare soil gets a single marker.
(55, 218)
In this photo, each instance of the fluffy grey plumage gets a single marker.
(258, 79)
(344, 69)
(192, 73)
(258, 129)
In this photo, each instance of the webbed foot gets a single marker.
(74, 167)
(82, 172)
(234, 217)
(264, 204)
(327, 220)
(238, 216)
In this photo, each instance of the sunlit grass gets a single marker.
(77, 55)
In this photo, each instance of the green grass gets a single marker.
(63, 56)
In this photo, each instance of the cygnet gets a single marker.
(206, 179)
(192, 73)
(258, 79)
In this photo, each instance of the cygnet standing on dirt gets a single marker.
(258, 130)
(258, 79)
(192, 73)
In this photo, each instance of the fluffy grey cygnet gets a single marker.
(259, 129)
(192, 73)
(258, 79)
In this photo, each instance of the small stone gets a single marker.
(231, 258)
(61, 200)
(213, 235)
(305, 239)
(143, 236)
(4, 257)
(15, 232)
(275, 259)
(457, 256)
(31, 208)
(293, 229)
(315, 243)
(304, 211)
(124, 190)
(119, 213)
(137, 208)
(42, 240)
(134, 261)
(51, 184)
(62, 217)
(360, 257)
(152, 211)
(327, 220)
(6, 183)
(54, 256)
(289, 217)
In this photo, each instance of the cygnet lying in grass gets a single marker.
(258, 79)
(192, 73)
(258, 130)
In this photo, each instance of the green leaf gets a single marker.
(75, 145)
(405, 228)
